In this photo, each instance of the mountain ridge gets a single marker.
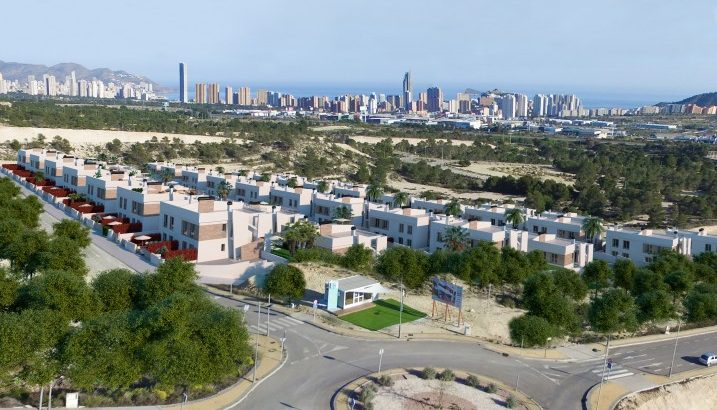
(19, 71)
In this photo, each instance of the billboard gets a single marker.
(446, 292)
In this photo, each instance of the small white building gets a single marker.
(325, 205)
(564, 226)
(339, 238)
(477, 231)
(402, 226)
(351, 292)
(292, 199)
(643, 246)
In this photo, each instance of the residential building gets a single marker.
(642, 247)
(565, 253)
(74, 176)
(342, 189)
(183, 90)
(407, 91)
(402, 226)
(102, 188)
(432, 205)
(476, 231)
(194, 178)
(564, 226)
(292, 199)
(54, 165)
(339, 238)
(200, 93)
(435, 99)
(700, 241)
(251, 191)
(139, 202)
(325, 207)
(495, 214)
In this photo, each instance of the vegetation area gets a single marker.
(122, 339)
(382, 314)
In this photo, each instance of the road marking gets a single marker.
(611, 377)
(638, 361)
(652, 364)
(634, 357)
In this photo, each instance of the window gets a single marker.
(535, 229)
(625, 244)
(400, 241)
(553, 258)
(492, 221)
(400, 228)
(614, 253)
(625, 255)
(223, 247)
(409, 242)
(410, 229)
(166, 218)
(708, 247)
(224, 229)
(374, 244)
(615, 243)
(439, 236)
(171, 222)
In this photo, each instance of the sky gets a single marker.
(650, 48)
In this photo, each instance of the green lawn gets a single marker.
(384, 313)
(283, 253)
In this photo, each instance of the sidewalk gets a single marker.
(640, 340)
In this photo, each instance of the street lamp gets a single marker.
(380, 358)
(256, 347)
(268, 312)
(602, 376)
(674, 351)
(400, 311)
(49, 397)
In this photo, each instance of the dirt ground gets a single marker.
(488, 319)
(411, 188)
(695, 394)
(499, 169)
(412, 141)
(413, 393)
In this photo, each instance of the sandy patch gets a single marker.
(499, 169)
(413, 393)
(488, 319)
(695, 394)
(413, 141)
(330, 128)
(414, 189)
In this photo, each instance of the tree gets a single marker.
(8, 290)
(570, 284)
(285, 281)
(116, 289)
(300, 234)
(480, 264)
(322, 186)
(456, 238)
(400, 199)
(63, 254)
(543, 298)
(291, 183)
(223, 189)
(174, 275)
(358, 258)
(39, 177)
(73, 230)
(597, 273)
(593, 228)
(624, 271)
(515, 217)
(679, 282)
(654, 305)
(647, 281)
(701, 303)
(25, 251)
(374, 192)
(514, 266)
(612, 312)
(404, 264)
(529, 331)
(166, 175)
(453, 208)
(102, 353)
(342, 212)
(63, 292)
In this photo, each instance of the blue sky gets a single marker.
(647, 47)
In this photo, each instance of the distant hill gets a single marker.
(703, 100)
(20, 71)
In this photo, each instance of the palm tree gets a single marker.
(593, 227)
(292, 182)
(453, 208)
(400, 199)
(223, 189)
(343, 212)
(166, 175)
(39, 177)
(374, 193)
(322, 186)
(515, 217)
(456, 238)
(300, 234)
(220, 170)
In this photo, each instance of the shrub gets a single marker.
(447, 375)
(367, 394)
(316, 255)
(529, 330)
(510, 402)
(472, 381)
(428, 373)
(385, 381)
(285, 281)
(491, 388)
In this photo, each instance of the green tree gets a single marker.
(647, 281)
(456, 238)
(285, 281)
(223, 189)
(400, 199)
(72, 230)
(343, 212)
(63, 254)
(679, 283)
(597, 274)
(322, 186)
(374, 192)
(515, 217)
(8, 290)
(453, 208)
(701, 303)
(624, 271)
(593, 227)
(358, 258)
(25, 252)
(300, 235)
(63, 292)
(481, 264)
(173, 276)
(653, 306)
(530, 331)
(400, 263)
(543, 298)
(570, 284)
(291, 183)
(612, 312)
(514, 266)
(116, 289)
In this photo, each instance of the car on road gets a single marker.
(708, 359)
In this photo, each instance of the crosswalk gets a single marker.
(615, 371)
(276, 324)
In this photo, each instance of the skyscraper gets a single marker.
(183, 94)
(540, 105)
(50, 85)
(200, 93)
(435, 99)
(521, 105)
(244, 96)
(407, 90)
(228, 95)
(213, 94)
(507, 106)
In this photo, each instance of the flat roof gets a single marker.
(355, 282)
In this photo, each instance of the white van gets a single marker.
(708, 359)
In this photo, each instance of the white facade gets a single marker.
(249, 190)
(292, 199)
(402, 226)
(476, 230)
(565, 253)
(339, 238)
(563, 226)
(643, 246)
(102, 190)
(324, 207)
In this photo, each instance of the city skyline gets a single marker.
(624, 51)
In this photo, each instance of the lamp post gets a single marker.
(674, 351)
(256, 347)
(42, 393)
(49, 396)
(400, 312)
(602, 376)
(380, 358)
(268, 312)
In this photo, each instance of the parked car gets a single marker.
(708, 359)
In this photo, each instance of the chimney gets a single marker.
(205, 204)
(354, 232)
(229, 205)
(171, 192)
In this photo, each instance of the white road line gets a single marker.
(617, 376)
(638, 361)
(652, 364)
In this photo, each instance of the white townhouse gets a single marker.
(476, 230)
(562, 225)
(643, 246)
(402, 226)
(292, 199)
(325, 206)
(339, 238)
(250, 190)
(102, 189)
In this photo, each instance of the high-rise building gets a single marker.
(228, 95)
(540, 105)
(262, 97)
(273, 98)
(213, 94)
(244, 96)
(50, 85)
(507, 106)
(521, 105)
(200, 93)
(72, 86)
(183, 92)
(407, 90)
(434, 99)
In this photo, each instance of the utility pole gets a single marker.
(400, 312)
(602, 376)
(256, 348)
(268, 312)
(674, 351)
(42, 393)
(380, 358)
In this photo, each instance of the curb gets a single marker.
(255, 385)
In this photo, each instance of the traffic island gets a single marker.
(428, 388)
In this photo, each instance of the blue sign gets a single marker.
(446, 292)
